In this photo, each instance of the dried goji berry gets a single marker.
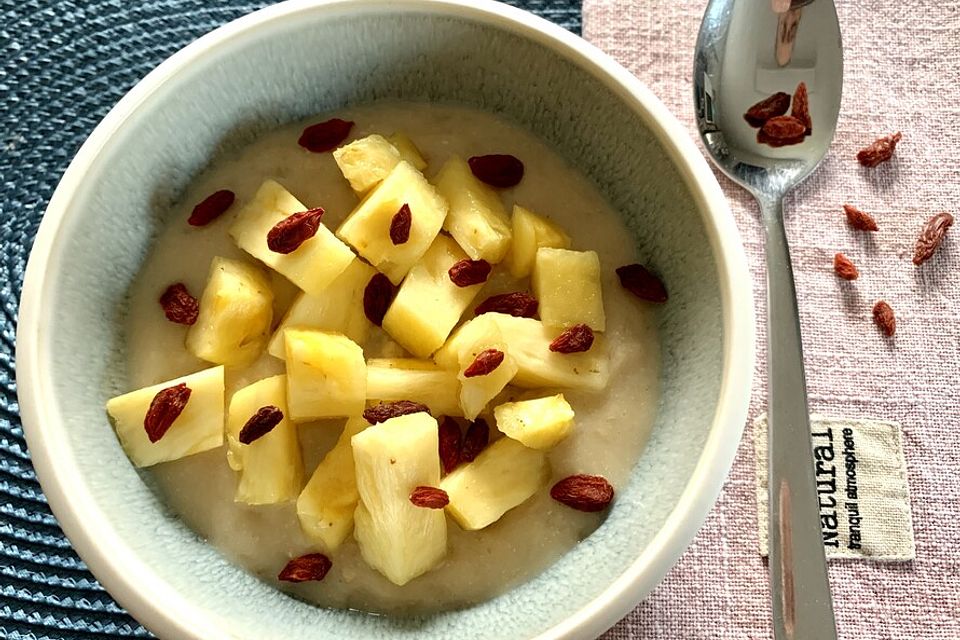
(287, 235)
(260, 424)
(931, 236)
(400, 225)
(475, 440)
(517, 304)
(313, 566)
(639, 281)
(325, 136)
(178, 305)
(449, 439)
(801, 107)
(485, 363)
(164, 409)
(781, 131)
(429, 498)
(377, 297)
(844, 267)
(775, 105)
(465, 273)
(211, 208)
(859, 219)
(583, 492)
(884, 318)
(575, 339)
(385, 410)
(880, 150)
(497, 170)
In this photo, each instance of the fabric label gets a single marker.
(861, 487)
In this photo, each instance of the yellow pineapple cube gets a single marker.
(326, 505)
(477, 391)
(284, 293)
(530, 232)
(408, 150)
(198, 428)
(540, 423)
(506, 474)
(366, 162)
(392, 458)
(567, 284)
(477, 219)
(367, 229)
(271, 467)
(428, 305)
(236, 309)
(338, 309)
(326, 375)
(528, 343)
(313, 265)
(391, 379)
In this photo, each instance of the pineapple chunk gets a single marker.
(313, 265)
(339, 308)
(428, 305)
(530, 232)
(390, 379)
(477, 219)
(392, 458)
(528, 342)
(198, 428)
(326, 505)
(367, 229)
(567, 284)
(284, 293)
(504, 476)
(366, 162)
(477, 391)
(408, 150)
(541, 423)
(236, 310)
(271, 467)
(326, 375)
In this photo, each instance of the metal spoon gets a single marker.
(741, 58)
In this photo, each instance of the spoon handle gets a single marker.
(802, 607)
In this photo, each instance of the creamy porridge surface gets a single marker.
(611, 426)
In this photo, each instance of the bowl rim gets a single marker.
(133, 583)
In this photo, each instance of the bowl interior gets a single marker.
(312, 61)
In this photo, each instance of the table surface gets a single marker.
(64, 64)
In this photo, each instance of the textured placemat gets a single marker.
(64, 64)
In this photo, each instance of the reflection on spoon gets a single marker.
(787, 25)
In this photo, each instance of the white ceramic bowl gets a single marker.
(305, 57)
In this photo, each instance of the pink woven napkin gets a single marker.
(902, 73)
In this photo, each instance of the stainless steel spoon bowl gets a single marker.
(746, 51)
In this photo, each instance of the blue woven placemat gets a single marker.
(64, 65)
